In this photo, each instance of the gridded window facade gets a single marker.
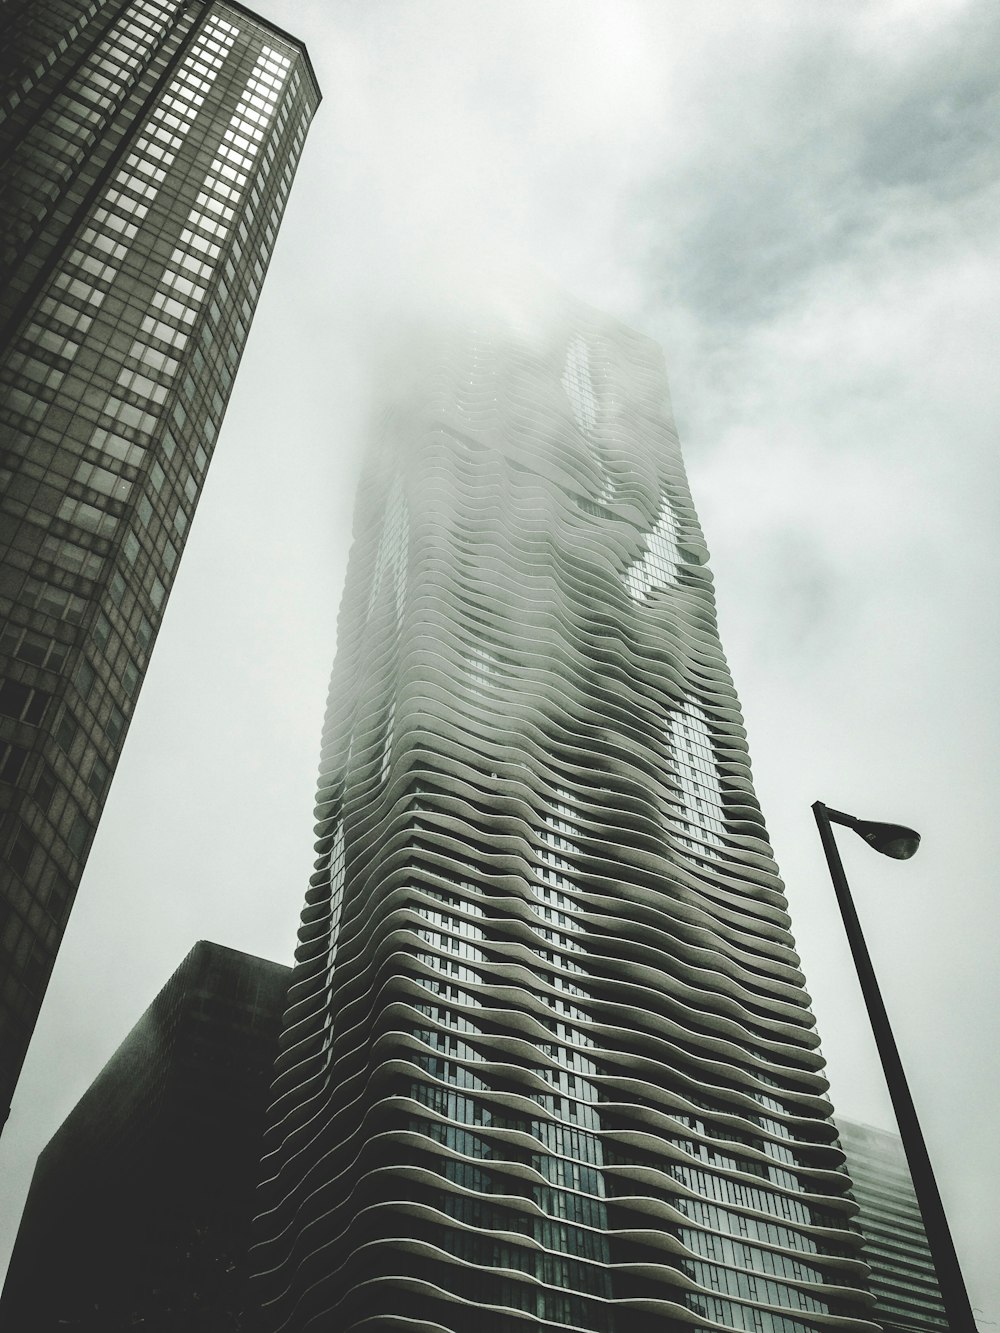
(148, 148)
(548, 1061)
(659, 563)
(701, 818)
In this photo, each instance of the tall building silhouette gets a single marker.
(903, 1280)
(146, 152)
(548, 1061)
(140, 1205)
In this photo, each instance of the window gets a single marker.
(102, 630)
(101, 479)
(38, 649)
(21, 848)
(12, 759)
(45, 788)
(21, 702)
(118, 447)
(115, 724)
(66, 732)
(36, 970)
(55, 602)
(83, 678)
(99, 777)
(130, 678)
(58, 897)
(69, 556)
(79, 832)
(87, 516)
(143, 632)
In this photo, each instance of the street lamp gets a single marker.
(900, 843)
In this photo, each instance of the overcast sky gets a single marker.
(799, 201)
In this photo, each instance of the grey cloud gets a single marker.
(935, 131)
(818, 149)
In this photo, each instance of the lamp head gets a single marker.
(895, 840)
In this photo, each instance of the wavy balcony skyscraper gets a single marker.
(548, 1061)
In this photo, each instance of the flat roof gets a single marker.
(281, 32)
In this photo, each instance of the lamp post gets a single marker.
(900, 843)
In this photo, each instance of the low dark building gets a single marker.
(139, 1209)
(903, 1280)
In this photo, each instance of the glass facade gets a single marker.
(148, 149)
(903, 1278)
(548, 1060)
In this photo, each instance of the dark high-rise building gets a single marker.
(146, 152)
(903, 1280)
(140, 1206)
(548, 1060)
